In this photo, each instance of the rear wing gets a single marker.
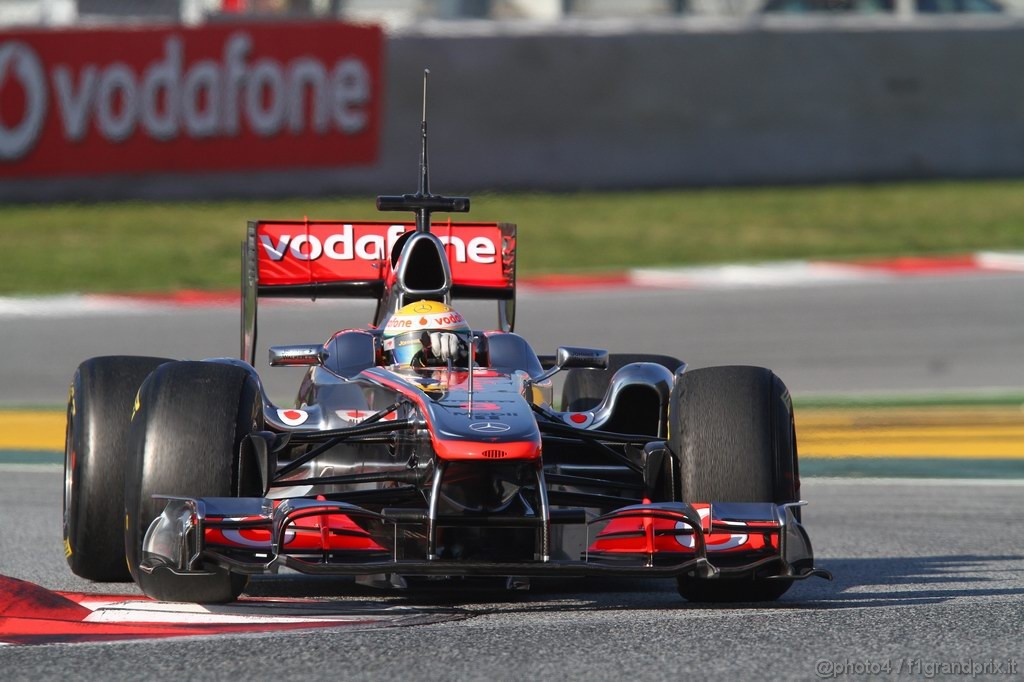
(357, 259)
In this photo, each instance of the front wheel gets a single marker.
(731, 430)
(185, 440)
(99, 413)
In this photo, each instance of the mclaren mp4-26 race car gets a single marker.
(419, 446)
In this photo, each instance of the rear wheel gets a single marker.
(99, 413)
(185, 441)
(731, 430)
(584, 389)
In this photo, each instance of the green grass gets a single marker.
(148, 247)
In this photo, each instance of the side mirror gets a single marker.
(296, 356)
(571, 357)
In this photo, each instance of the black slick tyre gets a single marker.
(731, 430)
(585, 388)
(185, 441)
(100, 402)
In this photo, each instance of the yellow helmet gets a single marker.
(407, 333)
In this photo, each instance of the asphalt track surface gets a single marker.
(925, 334)
(927, 574)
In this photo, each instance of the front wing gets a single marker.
(316, 536)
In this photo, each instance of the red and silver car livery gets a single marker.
(641, 467)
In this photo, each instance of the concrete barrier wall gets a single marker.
(669, 106)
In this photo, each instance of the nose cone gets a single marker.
(495, 422)
(496, 449)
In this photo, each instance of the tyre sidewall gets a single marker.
(100, 402)
(731, 429)
(185, 440)
(732, 433)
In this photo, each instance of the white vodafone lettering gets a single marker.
(394, 232)
(482, 250)
(74, 107)
(351, 90)
(457, 245)
(201, 84)
(479, 250)
(163, 77)
(265, 83)
(168, 98)
(314, 251)
(237, 47)
(307, 75)
(342, 246)
(116, 108)
(274, 252)
(370, 248)
(344, 239)
(17, 60)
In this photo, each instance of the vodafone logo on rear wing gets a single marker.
(343, 245)
(289, 253)
(85, 102)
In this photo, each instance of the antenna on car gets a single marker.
(423, 203)
(424, 166)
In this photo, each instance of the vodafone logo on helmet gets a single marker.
(19, 62)
(170, 97)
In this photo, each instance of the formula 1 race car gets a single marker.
(420, 447)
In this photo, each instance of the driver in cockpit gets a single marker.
(426, 334)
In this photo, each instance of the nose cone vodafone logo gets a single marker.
(18, 62)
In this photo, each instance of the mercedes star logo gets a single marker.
(489, 427)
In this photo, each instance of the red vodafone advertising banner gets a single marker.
(170, 99)
(306, 252)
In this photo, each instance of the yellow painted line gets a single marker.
(968, 449)
(32, 430)
(991, 432)
(964, 432)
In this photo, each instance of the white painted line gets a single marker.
(136, 611)
(782, 274)
(74, 305)
(86, 305)
(119, 616)
(736, 276)
(1000, 261)
(919, 482)
(26, 468)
